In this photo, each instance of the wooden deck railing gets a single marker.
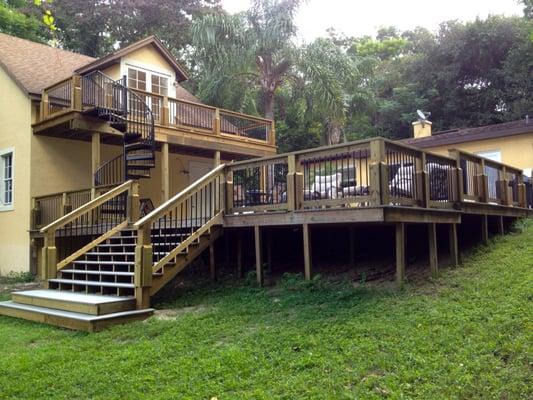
(78, 231)
(365, 173)
(72, 94)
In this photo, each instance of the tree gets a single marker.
(253, 48)
(18, 19)
(97, 27)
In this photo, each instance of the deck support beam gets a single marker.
(258, 255)
(308, 260)
(400, 253)
(454, 245)
(485, 229)
(165, 172)
(433, 255)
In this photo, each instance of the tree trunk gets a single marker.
(269, 105)
(334, 133)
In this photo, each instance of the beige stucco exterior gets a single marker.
(15, 132)
(515, 150)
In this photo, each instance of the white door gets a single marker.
(201, 205)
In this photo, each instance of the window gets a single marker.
(494, 155)
(159, 85)
(6, 180)
(136, 79)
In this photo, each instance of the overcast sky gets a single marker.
(357, 17)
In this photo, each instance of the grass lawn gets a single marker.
(466, 335)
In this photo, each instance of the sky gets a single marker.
(357, 17)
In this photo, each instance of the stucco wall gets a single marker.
(515, 150)
(15, 131)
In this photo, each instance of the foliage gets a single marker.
(18, 19)
(465, 336)
(97, 27)
(16, 277)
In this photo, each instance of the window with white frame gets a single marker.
(6, 180)
(159, 84)
(494, 155)
(136, 79)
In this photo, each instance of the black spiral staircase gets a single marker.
(127, 112)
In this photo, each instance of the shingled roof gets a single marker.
(462, 135)
(35, 66)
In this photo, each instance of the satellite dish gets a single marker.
(422, 117)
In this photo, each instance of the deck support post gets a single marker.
(258, 255)
(95, 159)
(308, 261)
(216, 159)
(49, 256)
(400, 253)
(454, 245)
(501, 226)
(239, 254)
(433, 255)
(212, 265)
(378, 178)
(165, 172)
(485, 229)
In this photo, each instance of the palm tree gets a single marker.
(254, 48)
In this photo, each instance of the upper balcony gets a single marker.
(65, 109)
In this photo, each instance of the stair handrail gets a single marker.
(100, 177)
(167, 216)
(90, 214)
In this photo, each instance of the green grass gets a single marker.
(466, 335)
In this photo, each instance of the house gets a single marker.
(53, 153)
(508, 143)
(114, 178)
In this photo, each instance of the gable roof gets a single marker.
(35, 66)
(463, 135)
(117, 55)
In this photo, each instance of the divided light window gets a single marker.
(159, 85)
(7, 179)
(136, 79)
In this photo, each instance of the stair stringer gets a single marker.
(184, 259)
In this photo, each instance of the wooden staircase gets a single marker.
(111, 279)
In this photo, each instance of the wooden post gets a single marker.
(165, 114)
(258, 255)
(165, 172)
(216, 122)
(483, 183)
(308, 252)
(455, 256)
(501, 226)
(400, 253)
(239, 254)
(352, 247)
(504, 185)
(379, 182)
(44, 106)
(134, 203)
(272, 138)
(424, 182)
(49, 256)
(294, 184)
(433, 255)
(229, 190)
(95, 154)
(485, 229)
(459, 175)
(143, 267)
(216, 159)
(212, 265)
(76, 93)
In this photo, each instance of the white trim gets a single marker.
(11, 206)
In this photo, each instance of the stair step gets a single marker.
(93, 262)
(69, 319)
(139, 167)
(75, 302)
(110, 253)
(89, 272)
(138, 146)
(141, 157)
(92, 283)
(138, 176)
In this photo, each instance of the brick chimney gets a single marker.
(421, 129)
